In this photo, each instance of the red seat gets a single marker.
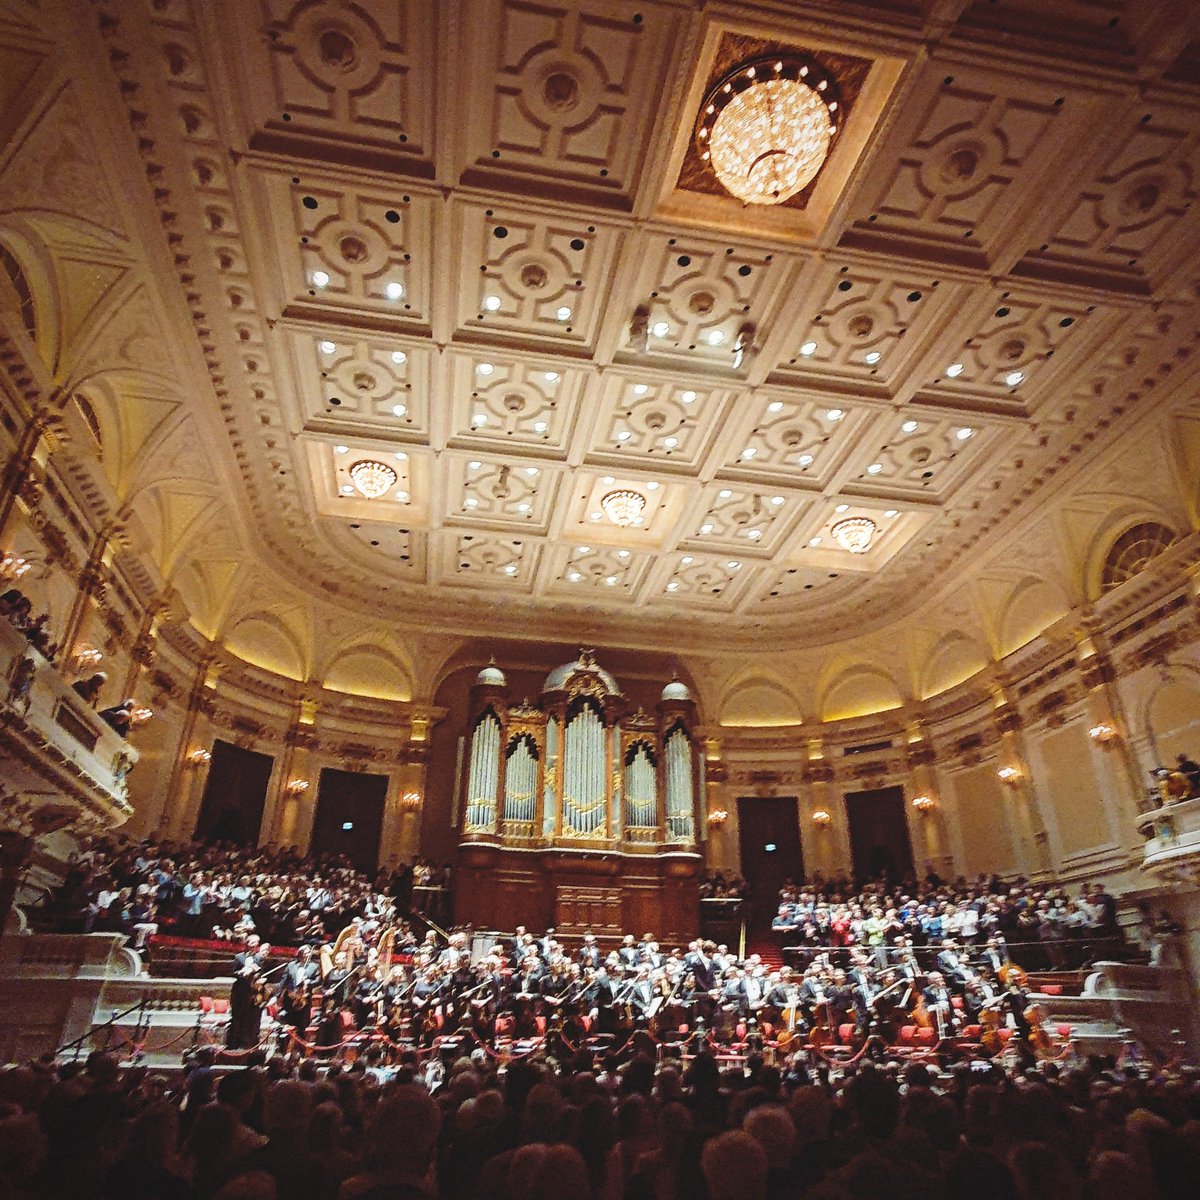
(1052, 989)
(1064, 1030)
(845, 1033)
(972, 1032)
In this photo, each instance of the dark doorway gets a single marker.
(349, 816)
(879, 842)
(771, 852)
(234, 795)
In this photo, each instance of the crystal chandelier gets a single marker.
(624, 506)
(766, 127)
(854, 534)
(372, 478)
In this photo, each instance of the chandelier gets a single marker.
(766, 127)
(372, 478)
(854, 534)
(624, 506)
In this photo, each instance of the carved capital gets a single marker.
(1009, 719)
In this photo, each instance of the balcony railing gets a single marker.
(1172, 835)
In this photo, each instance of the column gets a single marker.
(20, 482)
(182, 798)
(1029, 832)
(927, 824)
(91, 586)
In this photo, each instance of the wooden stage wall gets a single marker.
(609, 894)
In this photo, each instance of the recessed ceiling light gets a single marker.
(597, 516)
(479, 419)
(640, 389)
(1014, 377)
(471, 502)
(574, 577)
(688, 397)
(653, 485)
(564, 313)
(805, 460)
(327, 347)
(671, 442)
(872, 357)
(835, 414)
(754, 534)
(398, 410)
(524, 506)
(540, 427)
(673, 586)
(775, 406)
(399, 357)
(892, 512)
(320, 279)
(841, 508)
(607, 480)
(402, 497)
(491, 303)
(511, 569)
(909, 427)
(610, 580)
(733, 564)
(749, 452)
(874, 468)
(816, 541)
(965, 432)
(393, 290)
(622, 553)
(342, 449)
(777, 500)
(624, 435)
(716, 337)
(706, 528)
(531, 470)
(687, 560)
(724, 493)
(401, 456)
(660, 329)
(954, 370)
(584, 550)
(347, 490)
(639, 520)
(475, 465)
(808, 349)
(484, 368)
(551, 376)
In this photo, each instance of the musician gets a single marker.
(629, 952)
(699, 960)
(589, 953)
(649, 953)
(640, 995)
(427, 994)
(338, 983)
(940, 1002)
(754, 992)
(527, 993)
(862, 991)
(366, 1001)
(814, 994)
(596, 998)
(953, 966)
(295, 994)
(554, 987)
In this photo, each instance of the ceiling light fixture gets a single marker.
(660, 329)
(1014, 377)
(814, 541)
(954, 370)
(872, 358)
(808, 349)
(551, 376)
(835, 414)
(909, 427)
(491, 303)
(892, 512)
(398, 410)
(766, 127)
(688, 397)
(640, 389)
(623, 506)
(854, 534)
(716, 337)
(401, 456)
(484, 368)
(399, 357)
(564, 313)
(328, 347)
(965, 432)
(341, 449)
(394, 290)
(874, 468)
(373, 478)
(805, 460)
(320, 279)
(706, 528)
(686, 560)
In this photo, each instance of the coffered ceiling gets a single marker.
(472, 241)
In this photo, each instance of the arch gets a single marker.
(265, 641)
(953, 660)
(859, 691)
(760, 701)
(1171, 715)
(28, 288)
(1119, 522)
(1032, 606)
(1132, 551)
(369, 670)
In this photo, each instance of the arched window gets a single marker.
(20, 289)
(1133, 551)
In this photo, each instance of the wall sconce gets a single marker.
(199, 758)
(140, 716)
(85, 659)
(12, 566)
(410, 801)
(923, 804)
(1102, 733)
(717, 818)
(296, 787)
(1009, 775)
(822, 818)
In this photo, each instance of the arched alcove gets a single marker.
(760, 702)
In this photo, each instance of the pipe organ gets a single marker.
(574, 788)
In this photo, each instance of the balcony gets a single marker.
(60, 763)
(1172, 834)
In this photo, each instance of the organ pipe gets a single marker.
(520, 782)
(483, 776)
(680, 823)
(641, 787)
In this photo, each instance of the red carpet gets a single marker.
(767, 949)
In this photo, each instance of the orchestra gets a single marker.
(537, 987)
